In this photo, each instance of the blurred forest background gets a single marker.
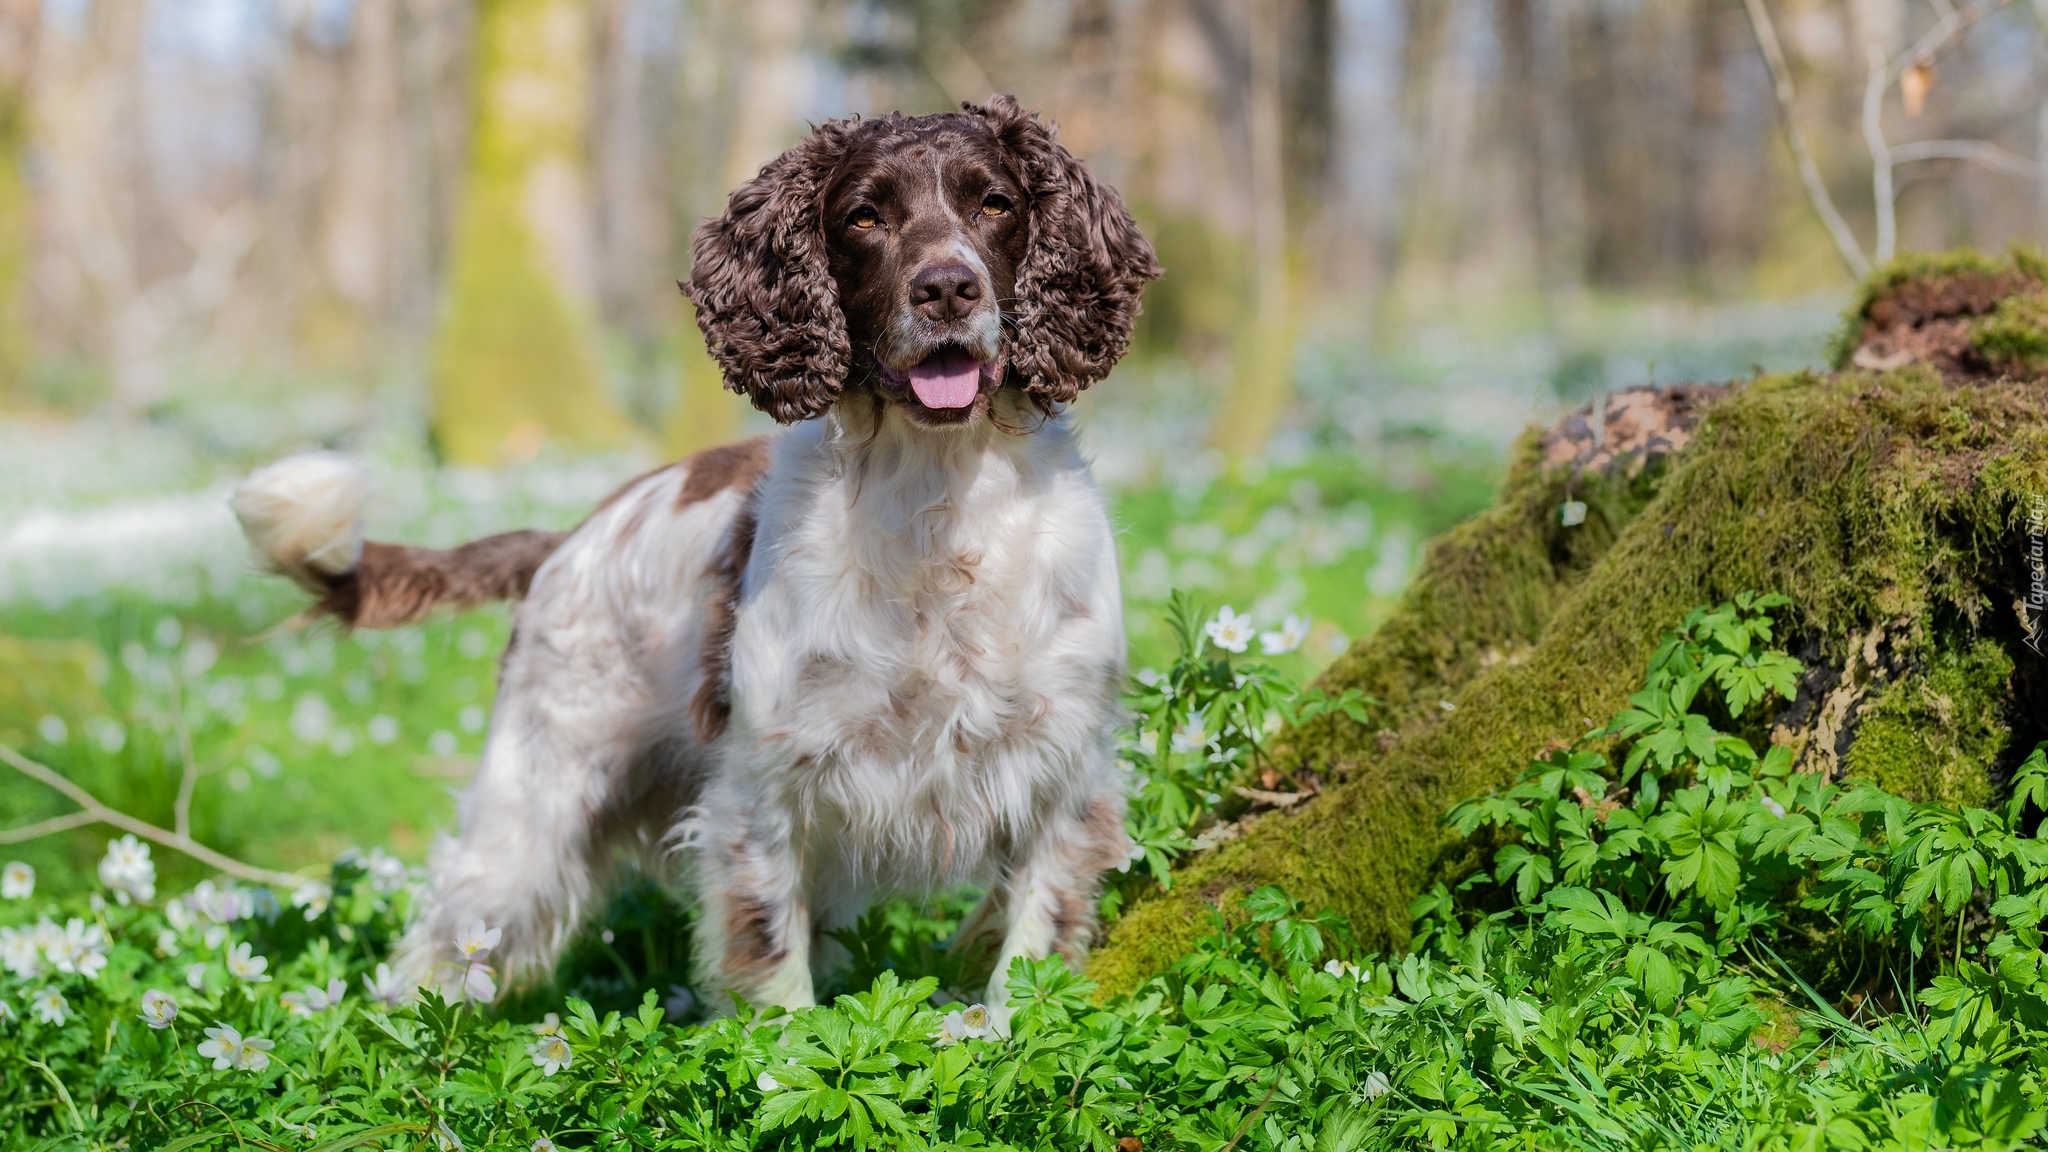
(488, 201)
(444, 235)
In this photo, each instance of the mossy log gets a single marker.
(1890, 499)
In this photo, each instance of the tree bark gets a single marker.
(20, 28)
(1521, 119)
(517, 359)
(357, 194)
(1262, 372)
(1410, 217)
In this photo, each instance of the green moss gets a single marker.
(17, 216)
(1869, 500)
(1487, 588)
(2015, 337)
(1930, 734)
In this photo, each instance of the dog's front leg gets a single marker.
(754, 926)
(1048, 899)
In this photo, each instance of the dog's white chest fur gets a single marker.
(928, 645)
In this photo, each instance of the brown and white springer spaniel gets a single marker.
(879, 652)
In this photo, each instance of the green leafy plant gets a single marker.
(1749, 957)
(1203, 725)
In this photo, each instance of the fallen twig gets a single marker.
(96, 812)
(1271, 799)
(50, 827)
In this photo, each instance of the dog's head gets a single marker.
(931, 258)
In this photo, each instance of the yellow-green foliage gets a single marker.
(1930, 733)
(1869, 500)
(516, 358)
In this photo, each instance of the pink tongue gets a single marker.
(947, 379)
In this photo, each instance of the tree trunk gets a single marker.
(1412, 215)
(517, 359)
(752, 95)
(20, 24)
(355, 238)
(1521, 120)
(435, 42)
(1263, 359)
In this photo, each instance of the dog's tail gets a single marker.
(304, 514)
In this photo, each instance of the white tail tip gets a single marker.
(305, 515)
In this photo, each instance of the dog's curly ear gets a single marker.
(765, 298)
(1077, 289)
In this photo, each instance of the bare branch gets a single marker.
(1981, 152)
(1882, 191)
(50, 827)
(1809, 172)
(101, 814)
(1944, 33)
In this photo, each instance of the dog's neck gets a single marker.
(925, 486)
(875, 443)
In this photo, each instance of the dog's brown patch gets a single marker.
(1104, 821)
(727, 466)
(1101, 846)
(750, 944)
(398, 584)
(1073, 925)
(711, 706)
(619, 493)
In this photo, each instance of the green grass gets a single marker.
(1333, 537)
(1619, 980)
(306, 741)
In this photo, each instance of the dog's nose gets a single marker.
(946, 292)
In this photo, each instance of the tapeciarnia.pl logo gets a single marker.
(2034, 608)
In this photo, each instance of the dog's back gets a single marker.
(304, 514)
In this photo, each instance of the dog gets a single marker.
(877, 653)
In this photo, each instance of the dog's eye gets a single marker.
(864, 217)
(995, 204)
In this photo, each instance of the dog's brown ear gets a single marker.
(764, 293)
(1077, 290)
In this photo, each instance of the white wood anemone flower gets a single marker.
(159, 1009)
(17, 881)
(1230, 631)
(228, 1048)
(550, 1054)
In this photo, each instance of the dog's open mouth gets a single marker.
(949, 378)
